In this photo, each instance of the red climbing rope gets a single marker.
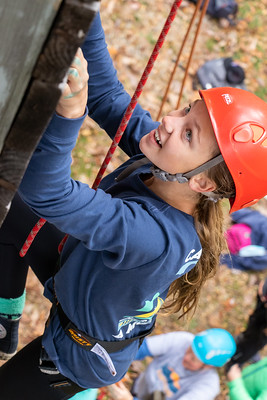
(31, 236)
(138, 91)
(123, 124)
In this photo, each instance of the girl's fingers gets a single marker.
(74, 97)
(77, 61)
(77, 76)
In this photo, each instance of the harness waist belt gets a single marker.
(87, 342)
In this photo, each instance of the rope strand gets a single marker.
(202, 14)
(178, 59)
(40, 223)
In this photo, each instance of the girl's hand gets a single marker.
(74, 96)
(234, 372)
(118, 391)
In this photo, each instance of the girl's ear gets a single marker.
(201, 183)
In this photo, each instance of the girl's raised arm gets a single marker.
(107, 99)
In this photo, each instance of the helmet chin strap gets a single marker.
(184, 177)
(166, 176)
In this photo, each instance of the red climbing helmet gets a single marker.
(239, 120)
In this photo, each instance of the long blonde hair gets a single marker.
(184, 293)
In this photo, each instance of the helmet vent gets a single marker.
(243, 135)
(258, 132)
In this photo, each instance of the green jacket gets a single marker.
(252, 384)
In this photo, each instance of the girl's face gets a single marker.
(184, 140)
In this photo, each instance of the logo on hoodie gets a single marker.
(191, 259)
(143, 317)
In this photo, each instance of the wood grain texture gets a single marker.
(42, 94)
(24, 26)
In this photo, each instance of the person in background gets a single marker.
(254, 338)
(247, 241)
(183, 366)
(250, 383)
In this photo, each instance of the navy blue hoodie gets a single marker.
(126, 245)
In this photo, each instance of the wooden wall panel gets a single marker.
(24, 26)
(29, 117)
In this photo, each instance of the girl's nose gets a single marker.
(168, 123)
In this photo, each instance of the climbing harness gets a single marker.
(123, 124)
(55, 378)
(88, 342)
(101, 348)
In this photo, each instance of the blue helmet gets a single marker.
(214, 346)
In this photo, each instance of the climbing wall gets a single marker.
(38, 42)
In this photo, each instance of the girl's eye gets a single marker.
(188, 135)
(187, 109)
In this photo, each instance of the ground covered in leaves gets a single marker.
(132, 28)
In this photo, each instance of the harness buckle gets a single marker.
(46, 365)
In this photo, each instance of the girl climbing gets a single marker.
(152, 230)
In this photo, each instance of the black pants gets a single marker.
(20, 377)
(42, 255)
(254, 338)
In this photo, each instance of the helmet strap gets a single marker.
(184, 177)
(166, 176)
